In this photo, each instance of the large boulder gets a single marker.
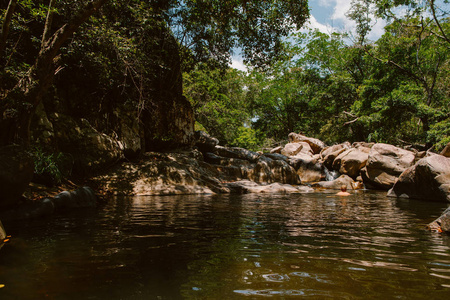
(309, 169)
(385, 164)
(293, 149)
(336, 184)
(16, 172)
(428, 179)
(333, 149)
(446, 151)
(351, 161)
(316, 144)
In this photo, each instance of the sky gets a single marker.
(328, 16)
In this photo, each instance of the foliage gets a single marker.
(218, 99)
(50, 168)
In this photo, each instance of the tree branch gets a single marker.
(433, 11)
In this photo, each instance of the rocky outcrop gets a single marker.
(16, 172)
(91, 150)
(428, 179)
(385, 164)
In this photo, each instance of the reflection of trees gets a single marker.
(231, 245)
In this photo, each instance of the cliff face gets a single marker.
(101, 109)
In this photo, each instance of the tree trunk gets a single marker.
(19, 105)
(5, 27)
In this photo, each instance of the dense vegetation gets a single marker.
(101, 55)
(339, 86)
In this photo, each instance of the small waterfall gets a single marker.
(330, 175)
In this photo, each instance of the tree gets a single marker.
(206, 30)
(18, 105)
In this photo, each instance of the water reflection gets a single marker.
(225, 247)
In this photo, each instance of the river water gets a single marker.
(316, 245)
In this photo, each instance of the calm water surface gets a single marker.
(317, 246)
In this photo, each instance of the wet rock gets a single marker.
(351, 161)
(441, 224)
(80, 198)
(16, 172)
(428, 179)
(336, 184)
(246, 186)
(385, 164)
(316, 144)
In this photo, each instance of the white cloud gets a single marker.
(325, 3)
(314, 24)
(237, 63)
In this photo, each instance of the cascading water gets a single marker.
(330, 175)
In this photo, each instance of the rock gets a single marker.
(277, 150)
(291, 149)
(273, 171)
(362, 144)
(333, 149)
(328, 160)
(446, 151)
(336, 184)
(80, 198)
(385, 164)
(309, 169)
(16, 172)
(205, 142)
(441, 224)
(316, 144)
(29, 209)
(130, 132)
(2, 232)
(351, 161)
(91, 150)
(246, 186)
(236, 152)
(428, 179)
(276, 156)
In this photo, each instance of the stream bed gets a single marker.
(315, 245)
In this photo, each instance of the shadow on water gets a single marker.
(231, 246)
